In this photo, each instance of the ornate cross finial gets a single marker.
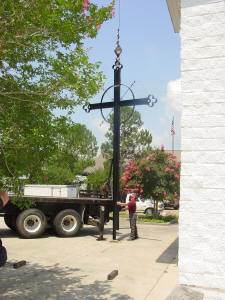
(118, 51)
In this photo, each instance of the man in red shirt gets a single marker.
(131, 206)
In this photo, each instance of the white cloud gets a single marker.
(172, 101)
(161, 134)
(173, 94)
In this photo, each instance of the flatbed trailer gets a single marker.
(65, 214)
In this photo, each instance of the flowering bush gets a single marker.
(131, 178)
(156, 176)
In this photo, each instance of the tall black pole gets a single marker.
(116, 150)
(116, 138)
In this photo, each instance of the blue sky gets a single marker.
(150, 56)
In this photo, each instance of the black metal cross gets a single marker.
(116, 105)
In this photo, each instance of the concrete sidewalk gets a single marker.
(77, 268)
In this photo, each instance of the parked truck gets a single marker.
(62, 207)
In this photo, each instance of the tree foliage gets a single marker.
(42, 53)
(135, 141)
(97, 179)
(43, 66)
(76, 149)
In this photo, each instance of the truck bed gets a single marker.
(80, 200)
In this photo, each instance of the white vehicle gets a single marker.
(145, 206)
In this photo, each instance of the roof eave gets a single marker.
(174, 10)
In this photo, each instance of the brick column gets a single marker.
(202, 207)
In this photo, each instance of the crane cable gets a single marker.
(119, 15)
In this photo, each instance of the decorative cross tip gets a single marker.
(87, 107)
(152, 100)
(117, 65)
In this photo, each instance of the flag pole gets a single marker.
(173, 143)
(172, 134)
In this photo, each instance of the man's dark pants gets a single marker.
(133, 226)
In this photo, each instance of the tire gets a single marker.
(31, 223)
(149, 211)
(10, 221)
(67, 223)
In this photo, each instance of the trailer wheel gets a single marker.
(67, 223)
(31, 223)
(10, 221)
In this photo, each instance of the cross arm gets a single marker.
(93, 106)
(150, 100)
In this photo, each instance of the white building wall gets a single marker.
(202, 209)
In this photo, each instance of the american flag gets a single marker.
(172, 128)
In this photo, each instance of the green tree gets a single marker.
(135, 141)
(27, 141)
(97, 179)
(43, 66)
(77, 149)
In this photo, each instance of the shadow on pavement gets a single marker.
(7, 233)
(94, 232)
(86, 231)
(169, 256)
(34, 281)
(143, 238)
(123, 236)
